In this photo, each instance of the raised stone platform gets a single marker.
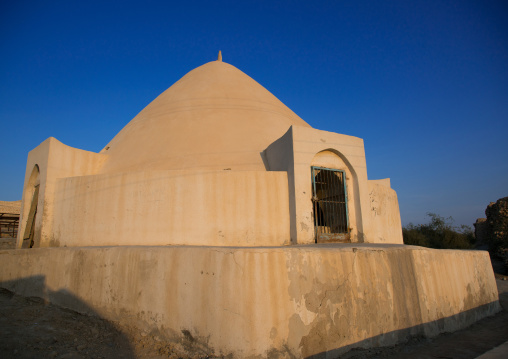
(302, 301)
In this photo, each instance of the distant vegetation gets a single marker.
(439, 233)
(495, 227)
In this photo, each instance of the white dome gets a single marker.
(215, 117)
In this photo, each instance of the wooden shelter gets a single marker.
(9, 218)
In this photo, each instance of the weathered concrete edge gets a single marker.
(214, 292)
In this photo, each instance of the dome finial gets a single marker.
(220, 57)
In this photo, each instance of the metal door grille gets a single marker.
(329, 196)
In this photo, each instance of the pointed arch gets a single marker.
(30, 204)
(334, 159)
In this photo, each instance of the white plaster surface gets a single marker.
(244, 208)
(54, 160)
(292, 301)
(200, 166)
(308, 144)
(385, 214)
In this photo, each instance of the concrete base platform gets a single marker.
(293, 301)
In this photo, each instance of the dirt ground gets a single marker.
(31, 328)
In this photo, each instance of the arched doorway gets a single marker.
(329, 197)
(28, 239)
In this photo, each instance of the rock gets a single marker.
(94, 332)
(493, 230)
(497, 219)
(481, 231)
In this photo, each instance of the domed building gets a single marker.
(216, 159)
(219, 221)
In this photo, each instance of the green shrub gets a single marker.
(439, 233)
(414, 238)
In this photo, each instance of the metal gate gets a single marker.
(329, 197)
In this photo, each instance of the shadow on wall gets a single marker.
(34, 327)
(120, 347)
(403, 335)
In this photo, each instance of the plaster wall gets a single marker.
(350, 155)
(54, 160)
(385, 214)
(236, 208)
(298, 150)
(292, 301)
(279, 156)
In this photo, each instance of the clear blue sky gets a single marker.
(424, 83)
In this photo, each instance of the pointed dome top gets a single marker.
(219, 58)
(215, 117)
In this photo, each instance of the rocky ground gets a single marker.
(31, 328)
